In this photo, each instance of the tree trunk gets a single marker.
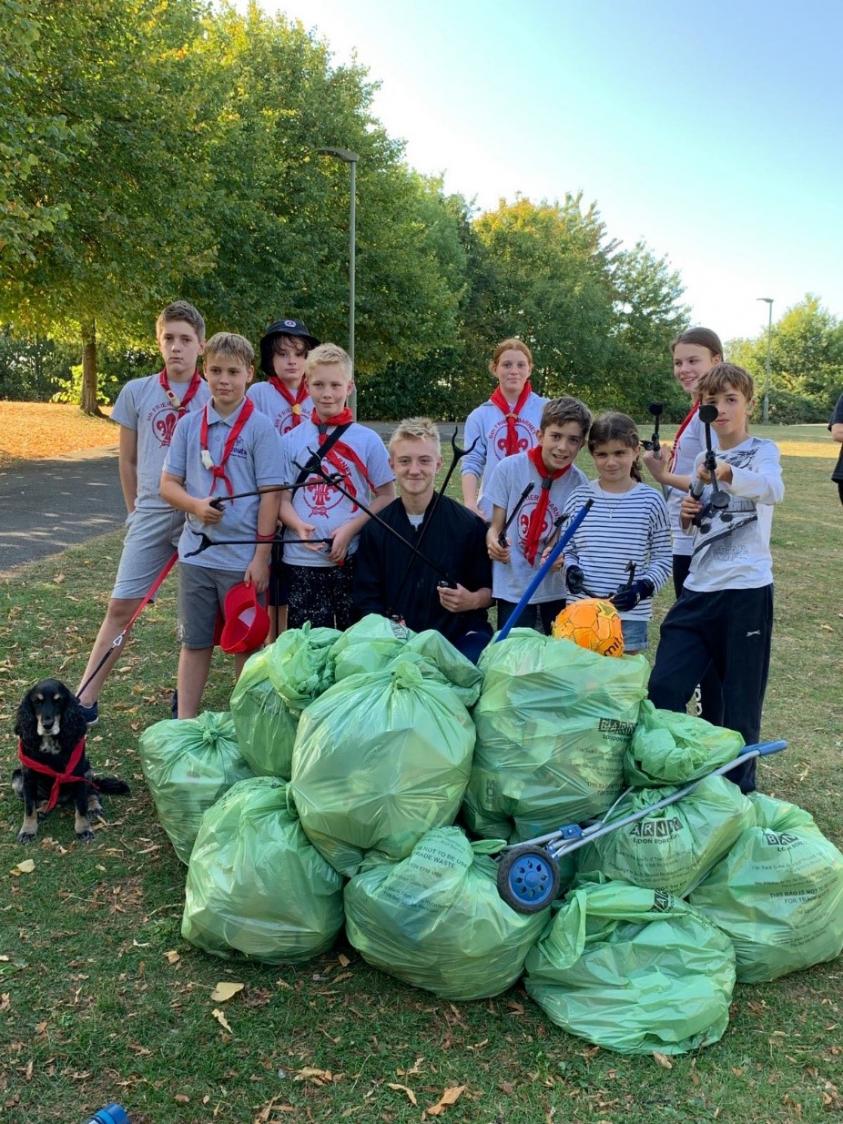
(89, 402)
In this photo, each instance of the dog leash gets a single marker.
(58, 778)
(121, 636)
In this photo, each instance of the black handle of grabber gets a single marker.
(543, 571)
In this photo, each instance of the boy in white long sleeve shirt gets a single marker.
(725, 611)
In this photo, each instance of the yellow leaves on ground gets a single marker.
(25, 866)
(219, 1015)
(449, 1097)
(39, 430)
(225, 990)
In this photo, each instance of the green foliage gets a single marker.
(70, 388)
(806, 362)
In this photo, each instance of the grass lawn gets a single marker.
(101, 1000)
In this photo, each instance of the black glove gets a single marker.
(628, 596)
(575, 579)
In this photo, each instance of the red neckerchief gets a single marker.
(341, 450)
(58, 778)
(293, 401)
(497, 399)
(685, 422)
(218, 470)
(536, 524)
(182, 405)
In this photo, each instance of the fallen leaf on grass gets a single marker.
(25, 866)
(222, 1020)
(317, 1076)
(451, 1095)
(5, 1001)
(413, 1070)
(181, 1098)
(173, 957)
(411, 1096)
(516, 1007)
(662, 1059)
(343, 959)
(225, 991)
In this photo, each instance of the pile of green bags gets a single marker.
(380, 759)
(633, 970)
(675, 847)
(188, 764)
(553, 724)
(374, 642)
(275, 686)
(778, 893)
(255, 885)
(669, 748)
(436, 920)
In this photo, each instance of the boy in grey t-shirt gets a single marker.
(228, 449)
(530, 490)
(147, 411)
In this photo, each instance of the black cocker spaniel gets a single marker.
(54, 766)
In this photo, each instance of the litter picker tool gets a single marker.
(654, 444)
(334, 481)
(502, 536)
(207, 542)
(719, 499)
(528, 873)
(543, 571)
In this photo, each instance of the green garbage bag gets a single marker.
(435, 920)
(380, 759)
(188, 765)
(673, 749)
(778, 893)
(374, 642)
(275, 686)
(553, 723)
(674, 847)
(255, 885)
(633, 970)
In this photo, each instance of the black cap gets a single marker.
(288, 327)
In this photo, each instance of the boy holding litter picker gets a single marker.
(528, 493)
(147, 410)
(724, 614)
(226, 449)
(343, 473)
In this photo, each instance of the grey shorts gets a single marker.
(151, 539)
(201, 595)
(634, 635)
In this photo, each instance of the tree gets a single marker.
(279, 211)
(806, 362)
(128, 186)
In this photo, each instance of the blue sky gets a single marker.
(711, 131)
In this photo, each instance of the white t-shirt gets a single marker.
(620, 527)
(322, 504)
(143, 406)
(487, 425)
(735, 553)
(507, 481)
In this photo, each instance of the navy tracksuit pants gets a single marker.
(731, 629)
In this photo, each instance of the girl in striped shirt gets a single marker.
(622, 549)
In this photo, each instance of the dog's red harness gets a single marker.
(58, 778)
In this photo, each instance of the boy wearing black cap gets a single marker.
(284, 398)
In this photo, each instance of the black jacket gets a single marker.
(456, 541)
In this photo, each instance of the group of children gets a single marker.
(220, 464)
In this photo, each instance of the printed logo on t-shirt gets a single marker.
(321, 497)
(284, 422)
(525, 431)
(163, 421)
(551, 514)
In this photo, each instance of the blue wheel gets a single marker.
(528, 878)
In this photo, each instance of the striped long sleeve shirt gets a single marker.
(620, 528)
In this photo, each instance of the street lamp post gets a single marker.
(765, 401)
(350, 158)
